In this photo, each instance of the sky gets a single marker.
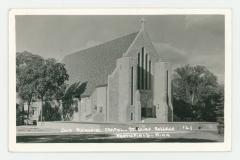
(179, 39)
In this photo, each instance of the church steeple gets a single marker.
(142, 20)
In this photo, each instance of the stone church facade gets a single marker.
(135, 86)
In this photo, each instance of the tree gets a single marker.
(38, 78)
(44, 79)
(73, 91)
(27, 71)
(19, 115)
(220, 106)
(51, 81)
(51, 112)
(194, 93)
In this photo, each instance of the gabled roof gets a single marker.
(96, 63)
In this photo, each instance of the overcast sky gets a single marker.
(197, 39)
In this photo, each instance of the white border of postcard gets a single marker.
(86, 147)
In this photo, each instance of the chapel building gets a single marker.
(127, 81)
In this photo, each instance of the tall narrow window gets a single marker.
(138, 72)
(132, 86)
(150, 75)
(142, 70)
(131, 116)
(146, 72)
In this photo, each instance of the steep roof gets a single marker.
(96, 63)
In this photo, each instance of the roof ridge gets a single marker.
(80, 50)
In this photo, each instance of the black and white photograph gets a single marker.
(120, 79)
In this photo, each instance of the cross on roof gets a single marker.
(142, 20)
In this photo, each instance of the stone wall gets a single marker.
(121, 97)
(100, 114)
(93, 108)
(162, 92)
(112, 94)
(85, 109)
(138, 106)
